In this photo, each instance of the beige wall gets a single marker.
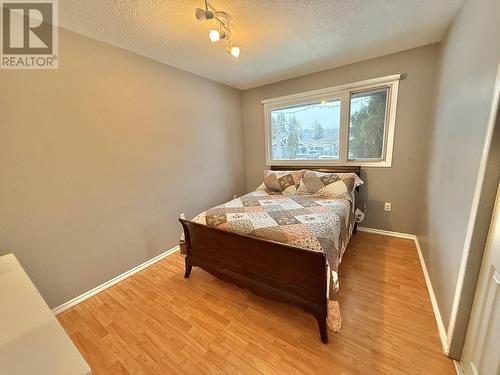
(467, 69)
(98, 158)
(402, 183)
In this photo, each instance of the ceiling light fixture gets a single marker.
(221, 30)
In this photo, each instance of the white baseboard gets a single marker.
(439, 320)
(387, 233)
(435, 307)
(113, 281)
(459, 368)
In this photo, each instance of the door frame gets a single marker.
(481, 295)
(477, 229)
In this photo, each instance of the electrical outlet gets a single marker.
(387, 206)
(182, 216)
(235, 196)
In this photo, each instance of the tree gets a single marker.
(278, 126)
(366, 130)
(318, 131)
(292, 143)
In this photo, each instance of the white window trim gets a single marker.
(343, 93)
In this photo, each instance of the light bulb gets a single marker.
(235, 51)
(214, 35)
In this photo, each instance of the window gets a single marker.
(348, 124)
(305, 132)
(367, 118)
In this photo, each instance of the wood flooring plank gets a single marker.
(157, 322)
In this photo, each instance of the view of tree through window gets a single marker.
(367, 124)
(306, 132)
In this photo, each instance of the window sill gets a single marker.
(330, 163)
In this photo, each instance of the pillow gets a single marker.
(328, 185)
(285, 182)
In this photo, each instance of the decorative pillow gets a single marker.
(285, 182)
(329, 185)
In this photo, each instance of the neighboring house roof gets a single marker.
(327, 141)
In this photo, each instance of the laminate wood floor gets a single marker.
(157, 322)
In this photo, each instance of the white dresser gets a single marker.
(32, 342)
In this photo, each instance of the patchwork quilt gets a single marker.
(314, 223)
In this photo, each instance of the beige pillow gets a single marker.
(328, 185)
(285, 182)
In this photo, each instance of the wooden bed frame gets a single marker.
(270, 269)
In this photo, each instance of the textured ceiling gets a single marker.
(279, 39)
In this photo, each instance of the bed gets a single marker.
(271, 260)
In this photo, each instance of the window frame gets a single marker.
(342, 93)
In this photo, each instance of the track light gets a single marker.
(216, 34)
(233, 50)
(213, 35)
(204, 14)
(221, 31)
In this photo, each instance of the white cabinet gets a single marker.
(31, 339)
